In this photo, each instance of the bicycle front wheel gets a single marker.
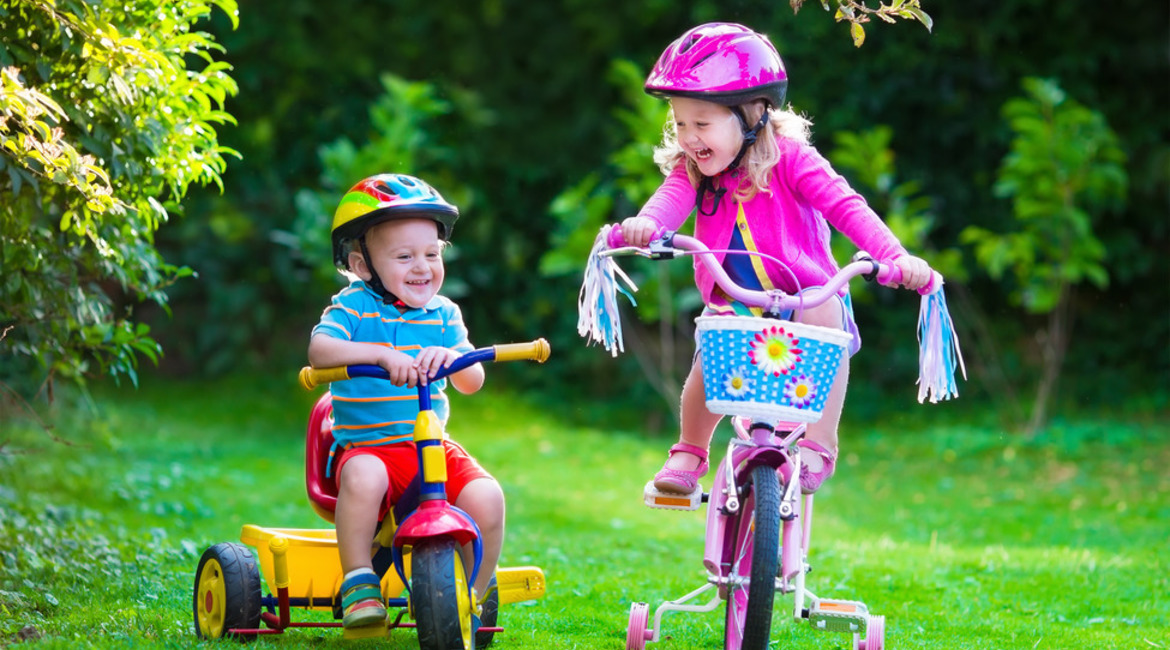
(752, 588)
(440, 595)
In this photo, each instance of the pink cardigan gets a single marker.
(791, 223)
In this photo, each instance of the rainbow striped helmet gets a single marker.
(384, 197)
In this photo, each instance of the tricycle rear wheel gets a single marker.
(227, 592)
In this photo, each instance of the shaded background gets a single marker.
(530, 111)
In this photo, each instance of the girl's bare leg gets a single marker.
(698, 424)
(824, 431)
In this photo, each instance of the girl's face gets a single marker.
(709, 133)
(408, 257)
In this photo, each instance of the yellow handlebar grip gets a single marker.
(314, 377)
(537, 350)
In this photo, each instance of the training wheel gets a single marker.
(636, 634)
(875, 635)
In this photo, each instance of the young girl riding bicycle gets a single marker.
(740, 159)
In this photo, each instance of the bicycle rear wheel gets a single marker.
(756, 536)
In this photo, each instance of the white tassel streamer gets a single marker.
(938, 349)
(598, 319)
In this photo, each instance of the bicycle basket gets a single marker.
(767, 368)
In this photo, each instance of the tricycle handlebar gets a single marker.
(537, 350)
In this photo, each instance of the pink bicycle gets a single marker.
(772, 376)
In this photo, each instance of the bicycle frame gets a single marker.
(732, 528)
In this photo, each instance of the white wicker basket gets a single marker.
(767, 368)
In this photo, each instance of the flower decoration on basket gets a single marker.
(800, 390)
(737, 384)
(774, 350)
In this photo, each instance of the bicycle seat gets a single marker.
(318, 440)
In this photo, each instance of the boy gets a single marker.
(389, 232)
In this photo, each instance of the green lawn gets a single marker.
(963, 537)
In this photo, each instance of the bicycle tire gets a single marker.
(227, 592)
(440, 596)
(756, 538)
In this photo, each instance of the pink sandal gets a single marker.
(683, 481)
(811, 481)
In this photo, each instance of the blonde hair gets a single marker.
(757, 161)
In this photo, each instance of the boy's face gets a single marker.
(408, 257)
(709, 133)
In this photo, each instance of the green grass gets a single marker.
(962, 536)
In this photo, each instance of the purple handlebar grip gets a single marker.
(890, 274)
(616, 239)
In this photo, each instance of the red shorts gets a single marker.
(401, 461)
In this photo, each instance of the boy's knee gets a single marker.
(362, 477)
(484, 500)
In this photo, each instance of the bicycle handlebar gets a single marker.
(537, 350)
(667, 244)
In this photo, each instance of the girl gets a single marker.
(734, 154)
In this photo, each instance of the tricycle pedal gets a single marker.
(839, 616)
(656, 498)
(519, 583)
(365, 632)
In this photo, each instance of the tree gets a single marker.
(107, 115)
(1064, 172)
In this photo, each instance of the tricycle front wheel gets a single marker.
(227, 592)
(440, 595)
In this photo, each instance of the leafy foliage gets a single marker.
(538, 72)
(1065, 171)
(857, 14)
(109, 111)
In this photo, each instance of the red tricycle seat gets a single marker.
(318, 440)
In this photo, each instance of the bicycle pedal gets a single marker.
(655, 498)
(848, 616)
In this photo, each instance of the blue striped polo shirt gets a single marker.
(368, 411)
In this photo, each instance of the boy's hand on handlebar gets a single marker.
(431, 360)
(401, 368)
(915, 271)
(639, 231)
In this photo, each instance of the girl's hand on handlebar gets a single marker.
(915, 272)
(639, 231)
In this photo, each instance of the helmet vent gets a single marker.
(683, 47)
(702, 60)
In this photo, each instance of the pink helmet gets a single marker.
(724, 63)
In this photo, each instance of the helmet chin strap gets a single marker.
(375, 282)
(749, 138)
(749, 135)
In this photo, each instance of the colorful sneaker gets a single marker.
(361, 602)
(682, 481)
(810, 480)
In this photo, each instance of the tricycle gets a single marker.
(417, 548)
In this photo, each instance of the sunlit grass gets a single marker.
(963, 537)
